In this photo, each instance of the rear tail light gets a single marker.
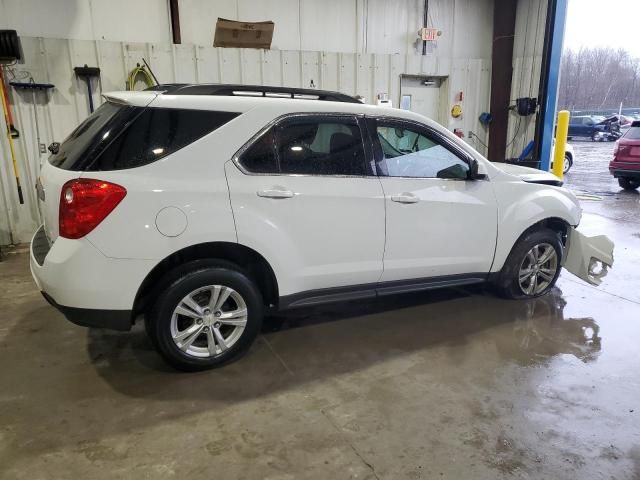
(84, 203)
(622, 149)
(616, 148)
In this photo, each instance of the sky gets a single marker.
(607, 23)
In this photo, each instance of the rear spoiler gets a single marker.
(134, 98)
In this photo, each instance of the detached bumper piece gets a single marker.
(588, 258)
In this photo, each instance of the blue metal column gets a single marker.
(557, 8)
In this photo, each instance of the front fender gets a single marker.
(522, 205)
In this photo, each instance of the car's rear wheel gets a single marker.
(533, 265)
(628, 183)
(206, 317)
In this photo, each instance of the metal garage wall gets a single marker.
(52, 60)
(527, 62)
(351, 26)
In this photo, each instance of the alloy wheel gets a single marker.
(209, 321)
(538, 269)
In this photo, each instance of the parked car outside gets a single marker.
(586, 127)
(201, 207)
(569, 155)
(625, 165)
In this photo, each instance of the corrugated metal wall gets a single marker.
(52, 60)
(527, 60)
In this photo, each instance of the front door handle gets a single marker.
(275, 192)
(405, 198)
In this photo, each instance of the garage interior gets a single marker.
(449, 383)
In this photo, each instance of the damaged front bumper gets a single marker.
(588, 258)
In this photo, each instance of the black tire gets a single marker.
(507, 283)
(192, 277)
(628, 183)
(568, 160)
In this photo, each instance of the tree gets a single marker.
(598, 79)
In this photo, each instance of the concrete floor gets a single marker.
(449, 384)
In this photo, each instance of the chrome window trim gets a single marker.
(287, 116)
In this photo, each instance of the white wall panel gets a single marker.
(328, 25)
(365, 26)
(120, 20)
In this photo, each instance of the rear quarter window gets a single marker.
(118, 137)
(158, 132)
(82, 146)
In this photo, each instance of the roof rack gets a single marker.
(253, 91)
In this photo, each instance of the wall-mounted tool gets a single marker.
(144, 73)
(16, 172)
(9, 46)
(12, 129)
(35, 87)
(485, 119)
(87, 73)
(526, 106)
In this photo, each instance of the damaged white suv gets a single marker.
(201, 207)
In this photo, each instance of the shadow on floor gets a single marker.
(313, 344)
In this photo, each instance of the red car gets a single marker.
(625, 165)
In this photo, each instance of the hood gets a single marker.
(530, 175)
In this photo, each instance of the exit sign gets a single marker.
(429, 34)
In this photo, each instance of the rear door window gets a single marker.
(311, 145)
(260, 157)
(322, 146)
(158, 132)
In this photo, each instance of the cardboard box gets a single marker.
(230, 33)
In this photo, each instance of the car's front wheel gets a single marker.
(205, 317)
(628, 183)
(568, 163)
(532, 267)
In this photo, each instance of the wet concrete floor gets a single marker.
(448, 384)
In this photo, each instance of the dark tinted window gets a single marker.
(320, 147)
(81, 147)
(261, 156)
(410, 153)
(156, 133)
(633, 133)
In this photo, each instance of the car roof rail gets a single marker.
(232, 90)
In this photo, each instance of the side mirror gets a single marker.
(472, 174)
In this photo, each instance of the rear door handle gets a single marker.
(275, 192)
(405, 198)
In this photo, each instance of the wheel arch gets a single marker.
(245, 258)
(554, 223)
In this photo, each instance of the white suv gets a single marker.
(203, 206)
